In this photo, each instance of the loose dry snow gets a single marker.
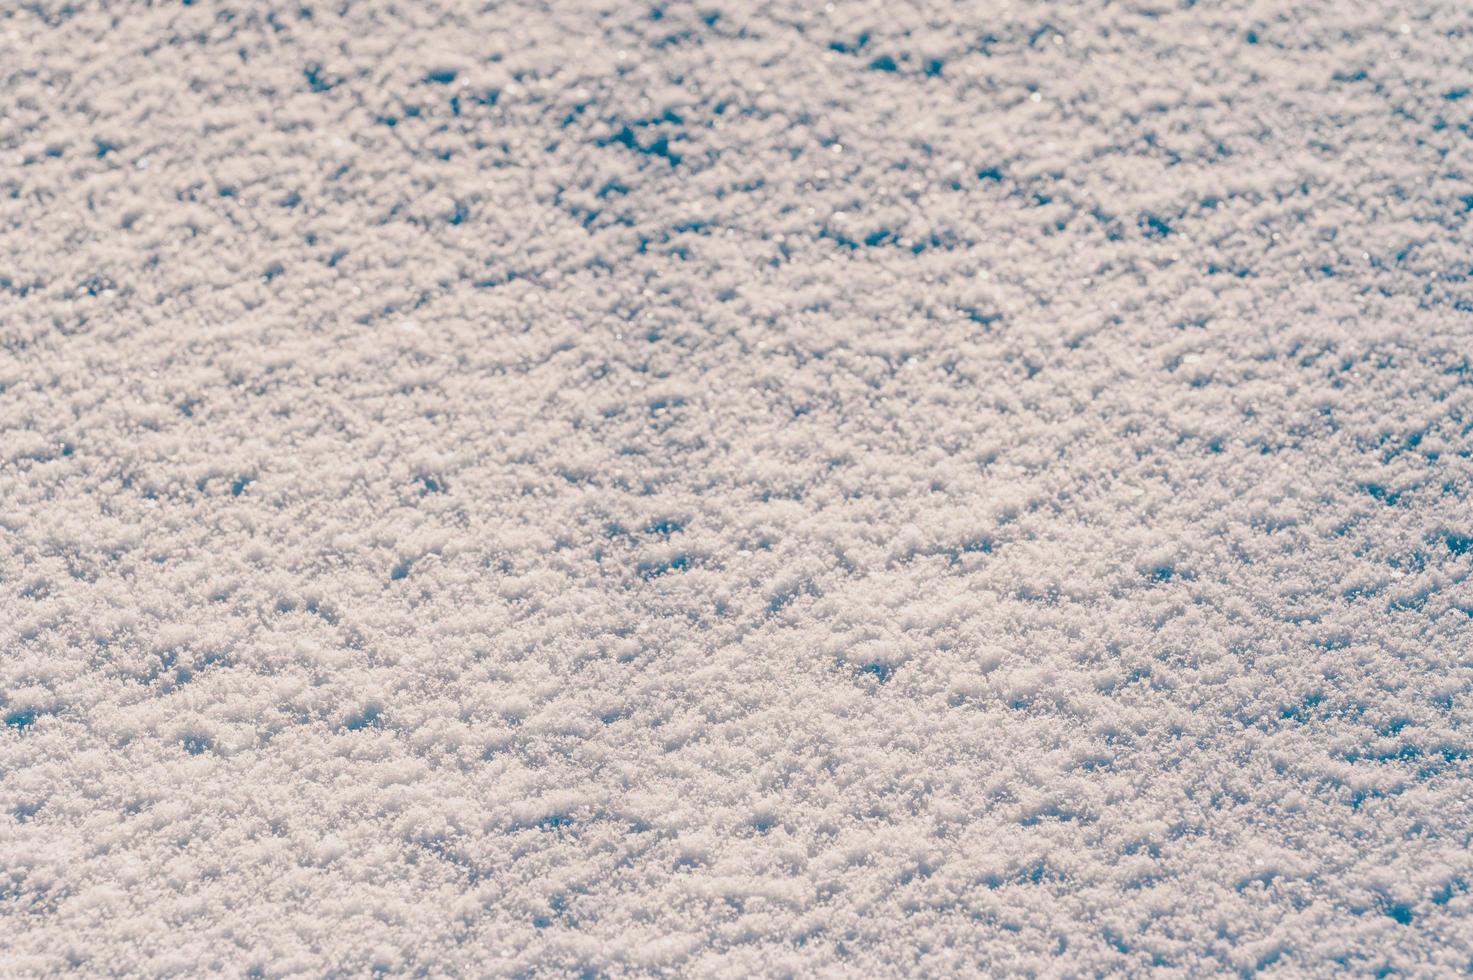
(736, 488)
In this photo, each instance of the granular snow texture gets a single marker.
(736, 488)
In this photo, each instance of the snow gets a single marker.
(735, 489)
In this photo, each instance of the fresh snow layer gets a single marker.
(736, 488)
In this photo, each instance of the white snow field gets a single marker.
(736, 488)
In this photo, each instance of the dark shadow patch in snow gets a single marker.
(659, 148)
(1453, 886)
(983, 318)
(1452, 755)
(850, 47)
(784, 597)
(400, 570)
(838, 237)
(1116, 941)
(654, 569)
(1154, 227)
(1400, 912)
(1388, 497)
(315, 79)
(1303, 712)
(326, 613)
(1033, 874)
(370, 716)
(1402, 753)
(21, 718)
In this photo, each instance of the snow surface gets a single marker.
(736, 488)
